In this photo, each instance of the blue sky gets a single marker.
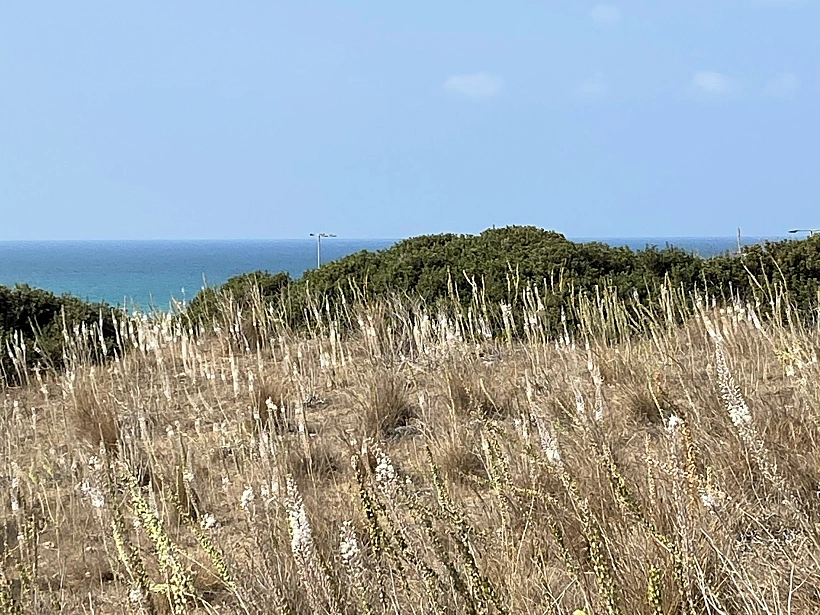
(389, 119)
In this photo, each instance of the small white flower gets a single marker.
(709, 501)
(94, 463)
(136, 596)
(208, 522)
(580, 407)
(247, 498)
(15, 502)
(97, 498)
(674, 422)
(549, 444)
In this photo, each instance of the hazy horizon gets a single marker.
(156, 270)
(395, 239)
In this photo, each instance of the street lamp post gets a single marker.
(810, 231)
(318, 237)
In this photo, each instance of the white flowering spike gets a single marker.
(735, 404)
(15, 502)
(579, 404)
(247, 498)
(348, 545)
(300, 532)
(385, 471)
(549, 444)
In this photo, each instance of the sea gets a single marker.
(154, 275)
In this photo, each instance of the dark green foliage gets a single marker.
(38, 316)
(432, 267)
(423, 265)
(502, 261)
(242, 288)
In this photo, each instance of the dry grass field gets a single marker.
(395, 458)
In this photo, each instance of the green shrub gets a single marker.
(502, 261)
(242, 288)
(39, 316)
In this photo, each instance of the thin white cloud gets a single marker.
(712, 84)
(605, 14)
(594, 87)
(783, 86)
(476, 85)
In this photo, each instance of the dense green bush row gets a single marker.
(428, 266)
(38, 316)
(431, 266)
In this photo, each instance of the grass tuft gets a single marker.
(396, 457)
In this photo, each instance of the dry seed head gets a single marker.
(15, 489)
(87, 491)
(653, 591)
(650, 476)
(580, 407)
(549, 443)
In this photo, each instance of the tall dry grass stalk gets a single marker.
(398, 457)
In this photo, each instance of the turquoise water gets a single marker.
(150, 273)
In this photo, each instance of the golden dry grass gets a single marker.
(405, 466)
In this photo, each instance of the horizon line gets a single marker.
(308, 238)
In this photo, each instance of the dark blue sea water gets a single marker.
(149, 274)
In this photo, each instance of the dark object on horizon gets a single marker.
(318, 237)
